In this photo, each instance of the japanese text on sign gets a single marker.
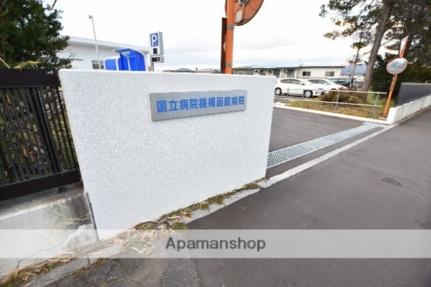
(177, 105)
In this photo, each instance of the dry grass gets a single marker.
(22, 276)
(360, 111)
(204, 205)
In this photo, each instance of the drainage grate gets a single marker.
(283, 155)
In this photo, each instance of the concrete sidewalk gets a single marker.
(384, 183)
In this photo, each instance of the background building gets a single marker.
(294, 72)
(83, 53)
(341, 74)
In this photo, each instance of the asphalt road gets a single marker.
(291, 127)
(384, 182)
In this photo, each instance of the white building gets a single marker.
(318, 71)
(82, 51)
(295, 72)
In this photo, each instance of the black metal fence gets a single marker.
(412, 91)
(36, 148)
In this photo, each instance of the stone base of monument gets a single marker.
(44, 225)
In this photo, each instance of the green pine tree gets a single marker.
(369, 19)
(412, 18)
(31, 32)
(389, 20)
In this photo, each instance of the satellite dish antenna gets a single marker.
(238, 13)
(245, 10)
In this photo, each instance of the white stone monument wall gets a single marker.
(135, 169)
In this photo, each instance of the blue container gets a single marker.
(131, 60)
(112, 63)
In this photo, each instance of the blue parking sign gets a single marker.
(154, 39)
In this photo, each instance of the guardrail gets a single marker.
(375, 107)
(412, 91)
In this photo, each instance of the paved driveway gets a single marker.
(384, 183)
(290, 127)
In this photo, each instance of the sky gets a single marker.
(283, 33)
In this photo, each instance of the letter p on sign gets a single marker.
(154, 39)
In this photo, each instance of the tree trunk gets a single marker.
(381, 29)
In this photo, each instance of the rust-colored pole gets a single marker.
(402, 54)
(390, 94)
(227, 46)
(223, 45)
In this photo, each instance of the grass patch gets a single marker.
(150, 225)
(204, 205)
(200, 205)
(174, 219)
(218, 199)
(379, 100)
(360, 111)
(179, 226)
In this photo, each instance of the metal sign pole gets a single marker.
(223, 45)
(95, 41)
(238, 12)
(390, 94)
(227, 46)
(403, 49)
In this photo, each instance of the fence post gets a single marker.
(375, 103)
(338, 98)
(4, 164)
(377, 99)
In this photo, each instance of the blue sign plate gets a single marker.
(154, 37)
(167, 106)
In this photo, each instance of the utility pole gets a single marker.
(95, 41)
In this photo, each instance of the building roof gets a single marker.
(290, 67)
(324, 66)
(180, 70)
(187, 70)
(105, 44)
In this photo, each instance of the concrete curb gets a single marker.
(282, 106)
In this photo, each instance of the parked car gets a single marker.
(297, 87)
(346, 82)
(327, 85)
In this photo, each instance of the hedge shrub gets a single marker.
(345, 97)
